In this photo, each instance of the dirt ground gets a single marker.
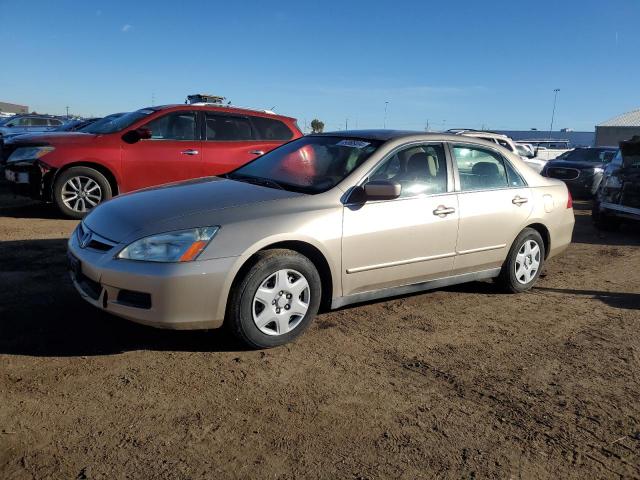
(463, 382)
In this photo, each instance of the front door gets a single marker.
(173, 153)
(494, 204)
(407, 240)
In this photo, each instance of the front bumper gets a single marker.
(179, 296)
(30, 179)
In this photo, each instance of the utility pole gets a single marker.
(426, 128)
(153, 99)
(67, 111)
(553, 112)
(384, 123)
(346, 124)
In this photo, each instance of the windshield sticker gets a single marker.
(352, 143)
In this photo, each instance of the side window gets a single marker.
(480, 168)
(54, 122)
(25, 122)
(39, 122)
(514, 178)
(270, 129)
(174, 126)
(227, 128)
(420, 169)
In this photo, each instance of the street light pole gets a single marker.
(553, 112)
(384, 123)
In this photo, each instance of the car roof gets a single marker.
(387, 135)
(220, 108)
(373, 134)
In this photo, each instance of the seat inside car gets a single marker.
(486, 175)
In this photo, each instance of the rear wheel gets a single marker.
(78, 190)
(276, 300)
(524, 263)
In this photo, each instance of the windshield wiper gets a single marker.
(264, 182)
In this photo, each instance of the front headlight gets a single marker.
(598, 170)
(29, 153)
(181, 246)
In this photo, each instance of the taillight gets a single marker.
(569, 200)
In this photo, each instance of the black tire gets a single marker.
(80, 173)
(240, 310)
(602, 221)
(507, 278)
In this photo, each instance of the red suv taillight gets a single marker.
(569, 200)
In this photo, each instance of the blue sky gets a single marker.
(460, 63)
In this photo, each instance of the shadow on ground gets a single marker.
(42, 315)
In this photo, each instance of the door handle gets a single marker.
(256, 152)
(518, 200)
(190, 152)
(442, 211)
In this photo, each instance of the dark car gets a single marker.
(581, 169)
(618, 197)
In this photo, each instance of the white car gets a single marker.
(548, 149)
(526, 153)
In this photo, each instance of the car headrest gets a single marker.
(486, 168)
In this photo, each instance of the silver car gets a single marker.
(323, 221)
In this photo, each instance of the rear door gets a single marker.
(494, 204)
(231, 140)
(173, 153)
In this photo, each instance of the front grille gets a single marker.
(563, 173)
(134, 299)
(97, 245)
(96, 242)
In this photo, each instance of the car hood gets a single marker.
(573, 164)
(53, 138)
(165, 208)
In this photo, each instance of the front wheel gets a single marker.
(78, 190)
(276, 299)
(524, 263)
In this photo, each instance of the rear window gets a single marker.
(271, 129)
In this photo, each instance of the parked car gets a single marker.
(332, 219)
(503, 141)
(29, 124)
(148, 147)
(581, 169)
(618, 197)
(548, 149)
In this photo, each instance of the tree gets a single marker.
(317, 126)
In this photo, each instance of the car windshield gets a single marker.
(594, 155)
(112, 124)
(311, 164)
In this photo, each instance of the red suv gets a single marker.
(139, 149)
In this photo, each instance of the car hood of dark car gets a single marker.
(581, 165)
(175, 206)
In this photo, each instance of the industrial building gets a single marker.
(619, 128)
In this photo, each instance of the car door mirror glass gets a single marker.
(382, 190)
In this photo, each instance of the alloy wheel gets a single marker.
(81, 193)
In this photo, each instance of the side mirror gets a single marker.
(134, 136)
(382, 190)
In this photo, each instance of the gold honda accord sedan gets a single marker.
(326, 220)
